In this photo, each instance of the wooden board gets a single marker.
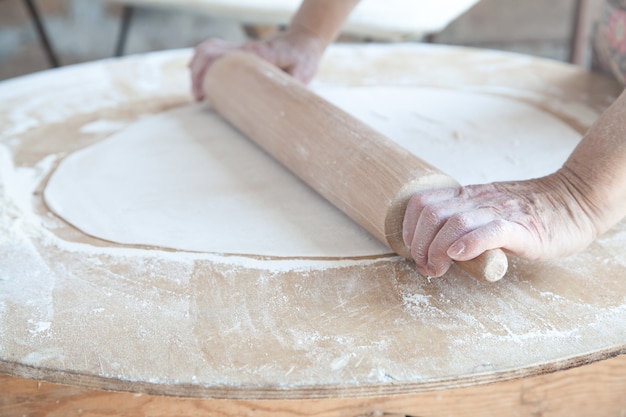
(88, 313)
(595, 389)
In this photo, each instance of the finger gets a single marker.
(456, 226)
(198, 67)
(202, 50)
(415, 206)
(205, 55)
(262, 50)
(497, 233)
(431, 220)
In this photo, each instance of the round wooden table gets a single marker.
(89, 326)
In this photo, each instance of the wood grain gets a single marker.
(592, 390)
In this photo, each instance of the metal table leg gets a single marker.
(41, 33)
(127, 14)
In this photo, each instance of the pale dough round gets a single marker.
(184, 179)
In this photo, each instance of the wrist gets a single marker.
(306, 39)
(581, 199)
(321, 19)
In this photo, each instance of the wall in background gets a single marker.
(84, 30)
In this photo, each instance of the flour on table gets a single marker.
(184, 179)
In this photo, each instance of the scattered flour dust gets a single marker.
(419, 304)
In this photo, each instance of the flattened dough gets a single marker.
(184, 179)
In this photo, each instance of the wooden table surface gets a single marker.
(329, 336)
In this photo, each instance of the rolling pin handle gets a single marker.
(490, 266)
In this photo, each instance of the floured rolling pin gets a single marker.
(360, 171)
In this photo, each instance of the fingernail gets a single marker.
(456, 250)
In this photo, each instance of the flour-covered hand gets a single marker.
(535, 219)
(296, 51)
(293, 51)
(538, 219)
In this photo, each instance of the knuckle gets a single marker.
(437, 252)
(209, 47)
(433, 214)
(419, 254)
(460, 221)
(499, 226)
(418, 200)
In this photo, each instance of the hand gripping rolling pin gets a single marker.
(360, 171)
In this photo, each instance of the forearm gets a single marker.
(322, 19)
(596, 170)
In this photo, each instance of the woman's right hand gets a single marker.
(295, 52)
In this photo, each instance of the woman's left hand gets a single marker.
(535, 219)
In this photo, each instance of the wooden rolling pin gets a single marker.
(360, 171)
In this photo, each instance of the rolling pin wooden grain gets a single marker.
(360, 171)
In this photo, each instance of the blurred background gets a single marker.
(85, 30)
